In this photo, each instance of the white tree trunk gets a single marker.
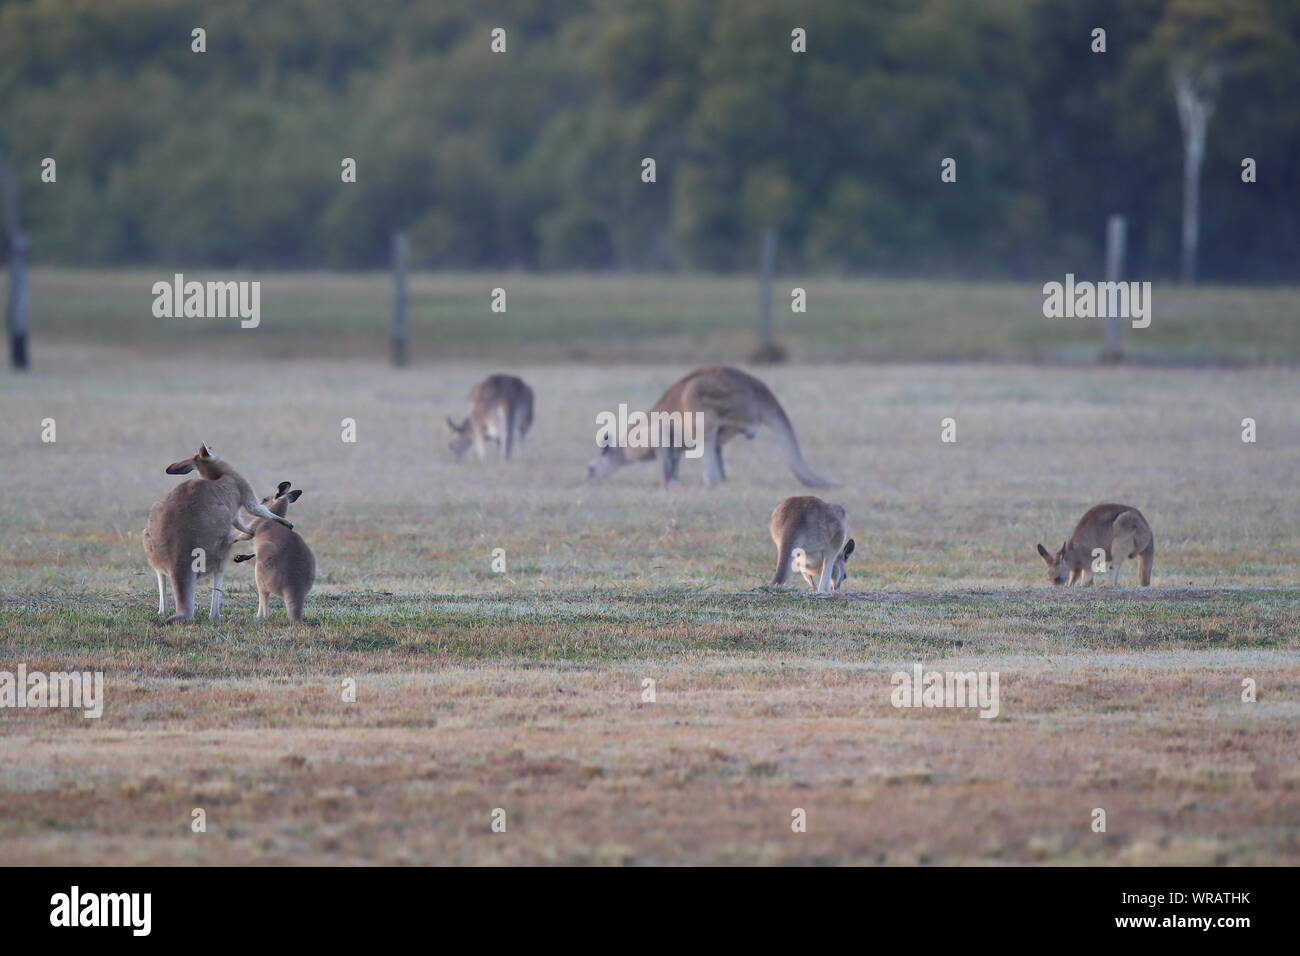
(1195, 107)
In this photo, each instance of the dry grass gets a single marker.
(522, 690)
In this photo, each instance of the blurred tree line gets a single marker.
(532, 158)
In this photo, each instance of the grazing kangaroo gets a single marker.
(285, 565)
(732, 403)
(813, 537)
(197, 515)
(500, 411)
(1118, 530)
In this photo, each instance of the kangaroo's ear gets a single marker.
(1046, 557)
(282, 487)
(295, 494)
(181, 467)
(848, 548)
(207, 451)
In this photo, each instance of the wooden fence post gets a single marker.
(1116, 226)
(16, 309)
(768, 350)
(766, 265)
(401, 264)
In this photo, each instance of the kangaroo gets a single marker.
(732, 403)
(812, 537)
(1120, 531)
(500, 411)
(197, 515)
(285, 565)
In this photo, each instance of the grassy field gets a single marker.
(523, 690)
(648, 319)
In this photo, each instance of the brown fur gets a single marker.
(500, 412)
(196, 514)
(1119, 530)
(285, 565)
(733, 403)
(814, 536)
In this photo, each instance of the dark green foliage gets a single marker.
(533, 158)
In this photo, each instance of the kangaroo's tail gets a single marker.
(775, 418)
(293, 602)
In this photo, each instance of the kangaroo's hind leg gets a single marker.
(712, 453)
(1116, 560)
(218, 577)
(667, 463)
(506, 428)
(262, 585)
(1145, 559)
(712, 464)
(1124, 546)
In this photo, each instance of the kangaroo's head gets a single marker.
(609, 459)
(462, 437)
(1058, 565)
(278, 503)
(839, 573)
(207, 461)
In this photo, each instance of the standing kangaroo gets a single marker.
(500, 411)
(196, 516)
(731, 403)
(1118, 530)
(285, 565)
(813, 537)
